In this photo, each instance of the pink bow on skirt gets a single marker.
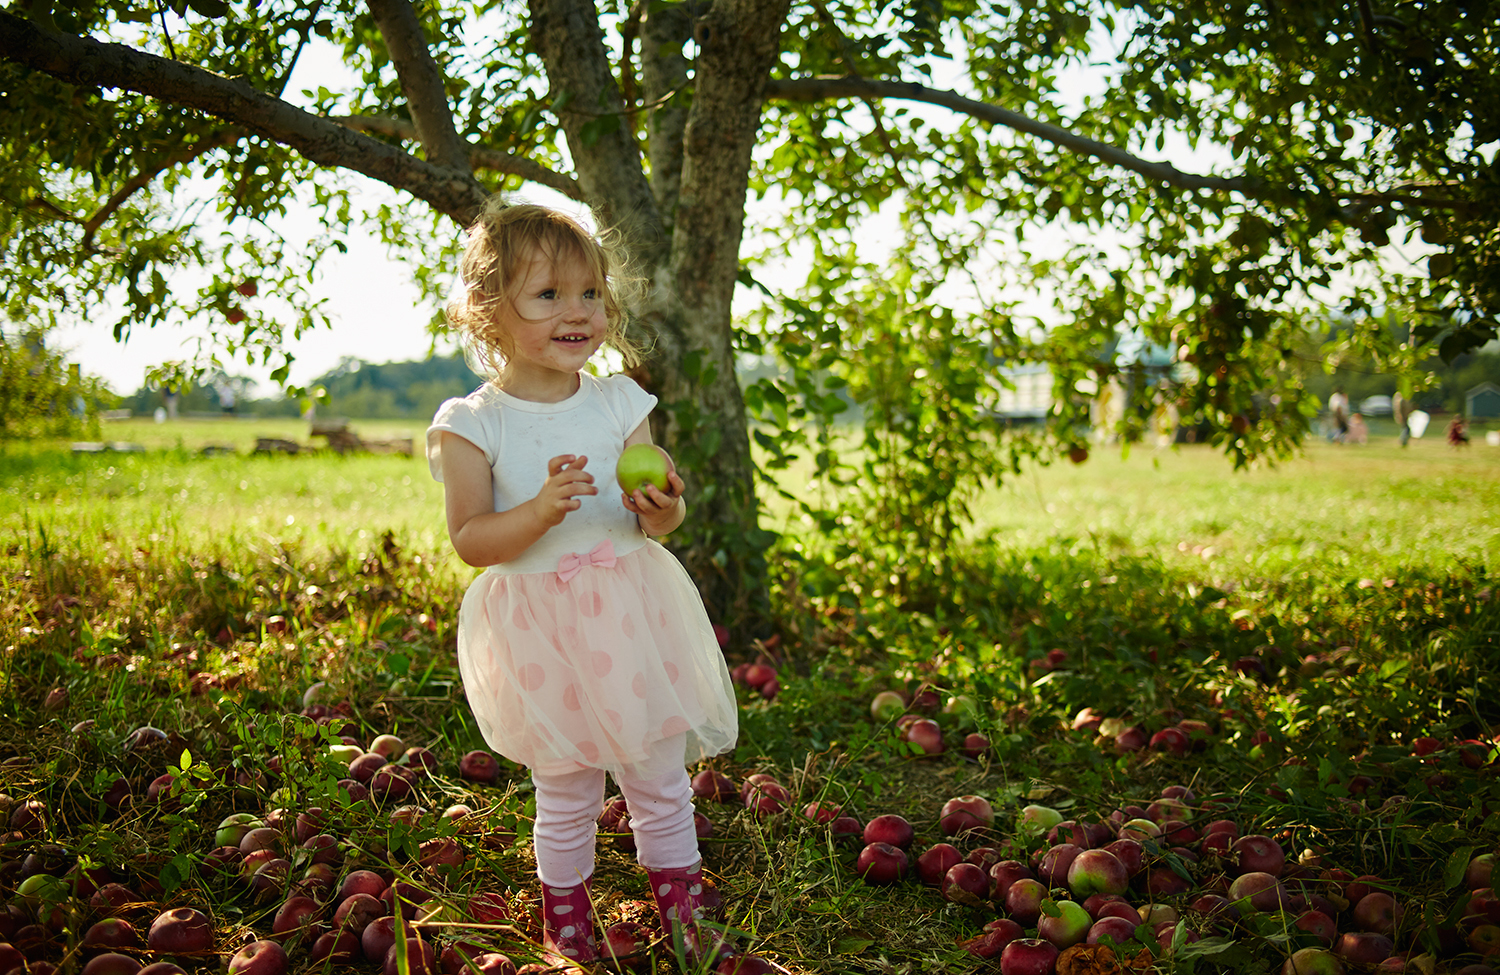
(602, 555)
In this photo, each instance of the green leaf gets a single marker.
(186, 761)
(1457, 865)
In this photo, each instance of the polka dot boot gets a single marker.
(568, 923)
(679, 901)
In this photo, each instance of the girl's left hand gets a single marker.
(650, 502)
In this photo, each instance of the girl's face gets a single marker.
(552, 326)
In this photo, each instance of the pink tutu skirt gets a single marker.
(613, 669)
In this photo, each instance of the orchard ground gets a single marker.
(1320, 617)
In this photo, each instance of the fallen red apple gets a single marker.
(378, 937)
(1258, 854)
(965, 883)
(181, 931)
(295, 916)
(1378, 911)
(363, 768)
(1363, 947)
(1173, 740)
(993, 939)
(1317, 924)
(963, 813)
(1023, 900)
(881, 863)
(1117, 929)
(1055, 862)
(419, 958)
(926, 734)
(892, 829)
(822, 812)
(714, 786)
(766, 798)
(934, 863)
(339, 947)
(976, 745)
(1097, 872)
(112, 932)
(1028, 956)
(362, 882)
(479, 766)
(1005, 873)
(1132, 739)
(111, 963)
(259, 958)
(1258, 891)
(356, 911)
(1130, 853)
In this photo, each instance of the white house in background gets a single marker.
(1031, 397)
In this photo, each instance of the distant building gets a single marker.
(1031, 397)
(1482, 402)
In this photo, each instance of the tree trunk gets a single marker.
(693, 265)
(738, 42)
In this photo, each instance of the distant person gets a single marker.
(1458, 436)
(226, 395)
(1357, 432)
(1401, 412)
(584, 645)
(170, 400)
(1338, 412)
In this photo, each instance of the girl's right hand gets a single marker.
(566, 482)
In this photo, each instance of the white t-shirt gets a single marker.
(518, 437)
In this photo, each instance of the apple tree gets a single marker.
(1018, 148)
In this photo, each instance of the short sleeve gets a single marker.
(462, 417)
(629, 403)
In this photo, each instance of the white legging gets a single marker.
(567, 805)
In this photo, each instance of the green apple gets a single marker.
(640, 463)
(234, 827)
(1038, 819)
(887, 706)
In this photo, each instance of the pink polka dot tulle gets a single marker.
(612, 669)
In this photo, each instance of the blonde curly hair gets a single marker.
(501, 244)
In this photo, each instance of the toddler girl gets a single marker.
(584, 646)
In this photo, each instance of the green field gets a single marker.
(1317, 616)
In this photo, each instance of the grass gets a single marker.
(170, 588)
(1374, 510)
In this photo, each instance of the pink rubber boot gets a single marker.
(568, 923)
(679, 901)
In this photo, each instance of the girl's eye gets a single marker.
(590, 294)
(548, 293)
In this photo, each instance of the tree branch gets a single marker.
(479, 158)
(89, 63)
(143, 179)
(421, 82)
(567, 36)
(819, 89)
